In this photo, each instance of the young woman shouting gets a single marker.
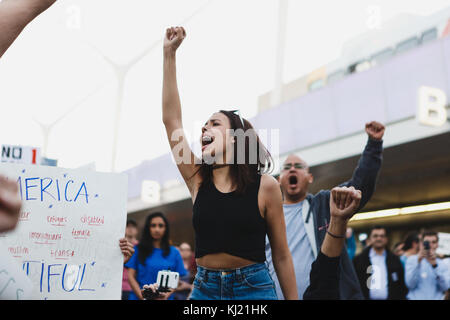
(236, 203)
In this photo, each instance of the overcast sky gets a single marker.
(226, 61)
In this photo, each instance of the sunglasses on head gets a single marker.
(238, 113)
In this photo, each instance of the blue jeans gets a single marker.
(248, 283)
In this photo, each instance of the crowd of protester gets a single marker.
(412, 270)
(256, 237)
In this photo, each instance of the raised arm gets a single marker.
(364, 177)
(343, 205)
(324, 275)
(171, 110)
(14, 17)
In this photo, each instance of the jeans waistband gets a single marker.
(238, 271)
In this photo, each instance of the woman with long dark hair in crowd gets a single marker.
(153, 254)
(411, 246)
(236, 203)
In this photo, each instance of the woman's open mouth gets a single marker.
(206, 141)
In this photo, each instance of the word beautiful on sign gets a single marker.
(19, 154)
(432, 107)
(57, 276)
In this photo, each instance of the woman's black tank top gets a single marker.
(229, 223)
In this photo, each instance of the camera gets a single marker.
(166, 280)
(426, 245)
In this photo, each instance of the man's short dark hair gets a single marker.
(131, 222)
(430, 233)
(377, 228)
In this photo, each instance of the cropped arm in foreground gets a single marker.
(324, 275)
(15, 15)
(10, 204)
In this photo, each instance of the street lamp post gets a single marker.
(276, 97)
(121, 71)
(47, 128)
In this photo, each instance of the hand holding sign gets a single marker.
(127, 249)
(10, 204)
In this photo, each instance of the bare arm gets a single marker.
(324, 275)
(281, 256)
(134, 284)
(171, 110)
(183, 285)
(14, 17)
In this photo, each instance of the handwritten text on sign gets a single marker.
(67, 239)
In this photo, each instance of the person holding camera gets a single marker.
(152, 255)
(426, 276)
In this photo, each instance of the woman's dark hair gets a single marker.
(145, 246)
(410, 239)
(397, 245)
(131, 222)
(243, 174)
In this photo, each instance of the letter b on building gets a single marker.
(432, 107)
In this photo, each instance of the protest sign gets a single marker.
(14, 284)
(20, 154)
(67, 238)
(444, 243)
